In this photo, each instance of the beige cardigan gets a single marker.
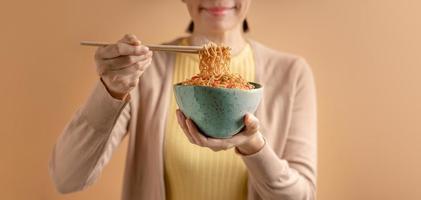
(284, 169)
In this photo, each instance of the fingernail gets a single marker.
(247, 118)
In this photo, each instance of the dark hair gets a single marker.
(246, 28)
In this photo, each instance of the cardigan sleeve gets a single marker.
(88, 141)
(292, 175)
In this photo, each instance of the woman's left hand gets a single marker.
(248, 141)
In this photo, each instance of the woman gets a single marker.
(274, 157)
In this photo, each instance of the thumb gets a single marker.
(130, 39)
(251, 123)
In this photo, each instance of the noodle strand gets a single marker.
(214, 69)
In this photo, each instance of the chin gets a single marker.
(219, 27)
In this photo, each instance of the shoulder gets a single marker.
(275, 64)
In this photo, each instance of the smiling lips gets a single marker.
(218, 11)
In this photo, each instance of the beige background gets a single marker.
(365, 55)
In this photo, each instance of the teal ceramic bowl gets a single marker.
(218, 112)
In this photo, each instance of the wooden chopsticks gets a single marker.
(171, 48)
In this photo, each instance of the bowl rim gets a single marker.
(257, 86)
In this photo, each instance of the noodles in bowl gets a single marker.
(214, 69)
(216, 99)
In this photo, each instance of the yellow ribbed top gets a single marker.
(193, 172)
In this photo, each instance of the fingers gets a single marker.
(123, 82)
(130, 39)
(196, 137)
(120, 49)
(219, 144)
(182, 122)
(203, 141)
(125, 72)
(190, 129)
(125, 53)
(125, 61)
(120, 65)
(128, 45)
(251, 123)
(251, 128)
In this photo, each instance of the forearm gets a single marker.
(87, 141)
(75, 155)
(274, 178)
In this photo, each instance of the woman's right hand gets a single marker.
(120, 65)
